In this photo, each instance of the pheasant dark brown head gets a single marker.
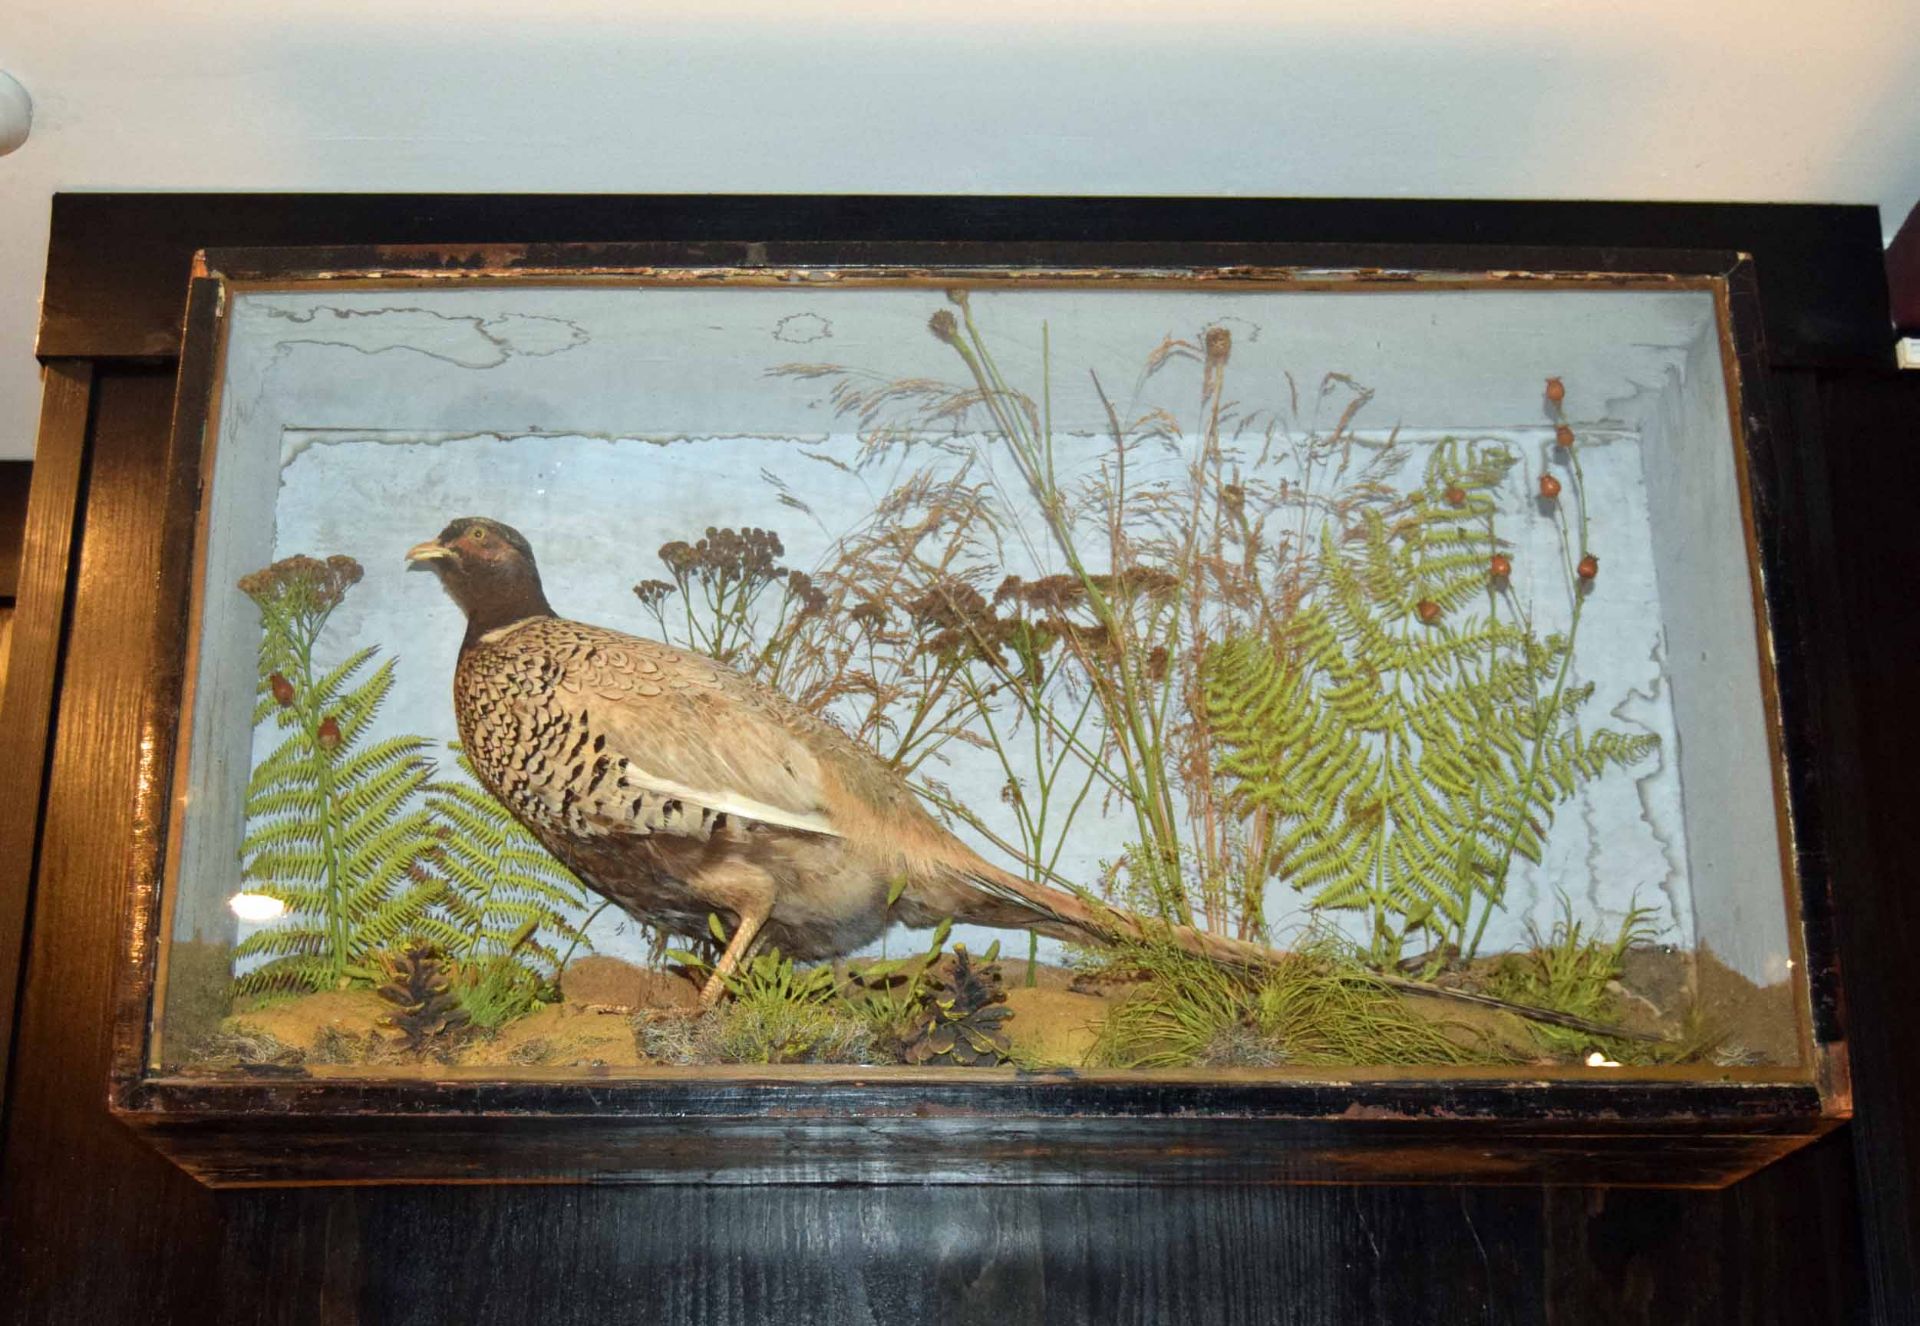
(488, 569)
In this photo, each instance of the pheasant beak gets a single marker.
(422, 553)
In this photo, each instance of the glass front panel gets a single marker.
(1143, 675)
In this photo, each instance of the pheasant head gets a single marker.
(487, 568)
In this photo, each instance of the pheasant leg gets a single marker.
(749, 893)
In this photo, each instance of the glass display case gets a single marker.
(943, 711)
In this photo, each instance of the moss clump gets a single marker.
(777, 1013)
(244, 1046)
(1316, 1007)
(759, 1032)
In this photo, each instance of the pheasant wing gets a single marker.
(684, 730)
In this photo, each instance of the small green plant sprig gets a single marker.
(336, 827)
(1407, 747)
(1571, 970)
(776, 1012)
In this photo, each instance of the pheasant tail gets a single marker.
(983, 894)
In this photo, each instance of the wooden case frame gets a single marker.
(1660, 1127)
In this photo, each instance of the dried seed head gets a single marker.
(1589, 567)
(944, 326)
(809, 599)
(1429, 611)
(1052, 594)
(1144, 581)
(1456, 495)
(282, 690)
(1549, 487)
(1556, 390)
(303, 583)
(329, 733)
(727, 555)
(1563, 436)
(1500, 567)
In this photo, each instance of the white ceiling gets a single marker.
(1712, 99)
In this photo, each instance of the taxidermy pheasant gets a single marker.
(680, 789)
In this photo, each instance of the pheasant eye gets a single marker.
(477, 534)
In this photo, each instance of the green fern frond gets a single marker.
(510, 901)
(1403, 763)
(335, 828)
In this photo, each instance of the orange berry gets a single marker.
(1589, 567)
(1563, 435)
(329, 734)
(282, 690)
(1549, 487)
(1456, 495)
(1429, 611)
(1556, 390)
(1500, 568)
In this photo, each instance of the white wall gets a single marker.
(1804, 100)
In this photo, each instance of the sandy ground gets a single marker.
(1055, 1020)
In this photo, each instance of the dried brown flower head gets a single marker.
(809, 598)
(303, 582)
(944, 326)
(959, 620)
(653, 593)
(725, 556)
(1049, 594)
(1137, 582)
(871, 614)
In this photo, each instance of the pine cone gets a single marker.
(960, 1024)
(420, 986)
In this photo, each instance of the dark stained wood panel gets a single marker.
(35, 636)
(77, 1192)
(15, 475)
